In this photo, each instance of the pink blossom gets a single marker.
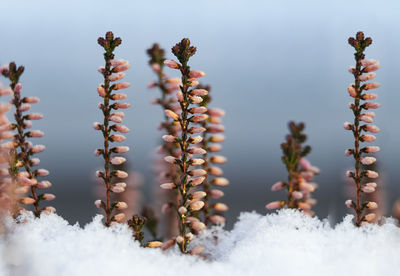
(115, 77)
(42, 172)
(119, 96)
(168, 186)
(121, 128)
(218, 159)
(199, 92)
(43, 184)
(305, 164)
(368, 138)
(369, 96)
(169, 138)
(349, 203)
(121, 85)
(171, 64)
(18, 88)
(368, 189)
(115, 119)
(214, 193)
(31, 100)
(196, 161)
(170, 159)
(197, 181)
(34, 116)
(200, 109)
(121, 205)
(196, 206)
(117, 138)
(120, 174)
(371, 128)
(101, 91)
(217, 219)
(117, 160)
(38, 148)
(197, 172)
(366, 77)
(24, 107)
(171, 114)
(216, 112)
(97, 203)
(120, 68)
(179, 96)
(365, 118)
(371, 149)
(196, 150)
(48, 197)
(297, 195)
(196, 74)
(215, 148)
(273, 205)
(121, 105)
(352, 91)
(220, 181)
(216, 129)
(220, 207)
(118, 62)
(193, 130)
(27, 200)
(371, 174)
(372, 68)
(119, 217)
(371, 85)
(217, 138)
(195, 139)
(195, 99)
(370, 217)
(368, 160)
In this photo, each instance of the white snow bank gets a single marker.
(287, 243)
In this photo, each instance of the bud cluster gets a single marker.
(21, 171)
(362, 127)
(190, 202)
(111, 128)
(212, 130)
(300, 173)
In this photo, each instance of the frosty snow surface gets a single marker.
(285, 243)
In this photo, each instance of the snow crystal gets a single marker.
(284, 243)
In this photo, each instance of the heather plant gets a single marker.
(300, 172)
(166, 172)
(189, 200)
(22, 151)
(211, 130)
(363, 71)
(108, 90)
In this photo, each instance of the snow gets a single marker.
(283, 243)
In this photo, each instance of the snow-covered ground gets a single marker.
(287, 243)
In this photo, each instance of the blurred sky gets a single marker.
(268, 62)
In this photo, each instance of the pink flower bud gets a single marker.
(117, 160)
(101, 69)
(215, 171)
(193, 130)
(305, 164)
(371, 128)
(197, 181)
(196, 161)
(121, 105)
(352, 70)
(171, 114)
(196, 206)
(6, 135)
(97, 125)
(220, 207)
(220, 181)
(199, 92)
(121, 85)
(195, 139)
(348, 152)
(371, 184)
(371, 85)
(27, 200)
(115, 77)
(347, 125)
(371, 105)
(117, 189)
(34, 162)
(169, 138)
(179, 239)
(182, 210)
(198, 195)
(42, 172)
(117, 138)
(216, 129)
(97, 203)
(38, 148)
(366, 119)
(48, 197)
(119, 96)
(168, 186)
(25, 107)
(25, 181)
(34, 116)
(35, 133)
(193, 82)
(368, 189)
(218, 159)
(369, 217)
(31, 100)
(118, 62)
(216, 112)
(368, 62)
(352, 91)
(196, 74)
(171, 64)
(43, 184)
(371, 149)
(297, 195)
(179, 96)
(120, 149)
(174, 81)
(273, 205)
(215, 148)
(214, 193)
(369, 97)
(6, 92)
(120, 68)
(197, 172)
(371, 174)
(200, 109)
(217, 219)
(115, 119)
(197, 226)
(367, 138)
(156, 67)
(372, 68)
(120, 174)
(278, 186)
(349, 174)
(366, 77)
(18, 88)
(217, 138)
(195, 99)
(121, 205)
(196, 150)
(48, 210)
(101, 91)
(349, 203)
(367, 160)
(170, 159)
(119, 217)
